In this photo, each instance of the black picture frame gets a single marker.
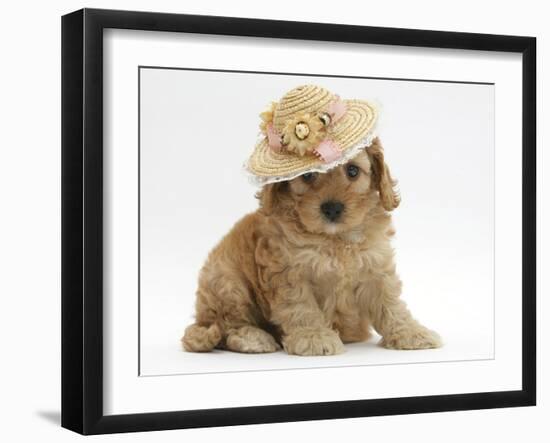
(82, 220)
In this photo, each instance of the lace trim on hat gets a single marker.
(347, 155)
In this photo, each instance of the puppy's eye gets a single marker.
(352, 171)
(309, 177)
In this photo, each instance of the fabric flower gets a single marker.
(302, 133)
(267, 117)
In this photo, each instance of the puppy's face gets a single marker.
(336, 201)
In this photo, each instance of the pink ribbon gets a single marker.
(336, 109)
(273, 138)
(328, 151)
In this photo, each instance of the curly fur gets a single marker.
(284, 275)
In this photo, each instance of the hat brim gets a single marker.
(351, 133)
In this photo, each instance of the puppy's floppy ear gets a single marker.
(381, 176)
(271, 196)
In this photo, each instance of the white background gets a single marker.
(198, 127)
(30, 179)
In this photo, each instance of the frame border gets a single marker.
(82, 220)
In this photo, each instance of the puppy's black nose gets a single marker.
(332, 210)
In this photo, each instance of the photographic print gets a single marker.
(305, 221)
(346, 220)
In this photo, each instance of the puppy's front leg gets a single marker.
(304, 328)
(392, 319)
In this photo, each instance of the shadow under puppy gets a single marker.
(310, 270)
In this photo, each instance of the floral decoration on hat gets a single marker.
(303, 133)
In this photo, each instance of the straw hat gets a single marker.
(309, 130)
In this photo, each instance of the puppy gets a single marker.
(310, 270)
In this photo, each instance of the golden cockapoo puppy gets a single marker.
(311, 269)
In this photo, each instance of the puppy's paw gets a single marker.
(201, 338)
(251, 340)
(418, 337)
(313, 342)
